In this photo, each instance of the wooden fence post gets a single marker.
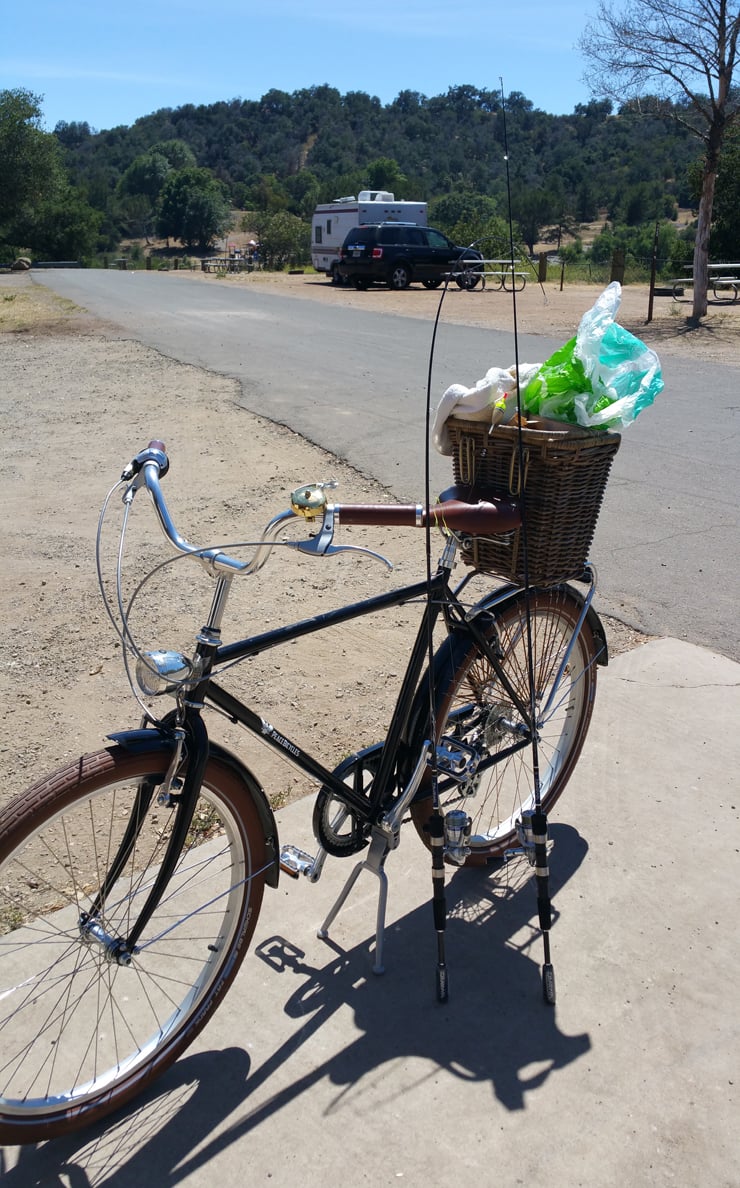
(618, 266)
(653, 270)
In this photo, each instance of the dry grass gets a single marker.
(26, 307)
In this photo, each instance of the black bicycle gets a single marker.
(131, 880)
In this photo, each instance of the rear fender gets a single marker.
(161, 740)
(592, 618)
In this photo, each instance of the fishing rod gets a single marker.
(534, 825)
(534, 821)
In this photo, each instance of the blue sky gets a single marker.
(109, 65)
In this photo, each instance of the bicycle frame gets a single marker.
(439, 600)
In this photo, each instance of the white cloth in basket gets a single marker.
(478, 403)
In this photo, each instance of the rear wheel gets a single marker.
(399, 276)
(82, 1032)
(432, 284)
(471, 704)
(360, 283)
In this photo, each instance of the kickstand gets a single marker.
(381, 844)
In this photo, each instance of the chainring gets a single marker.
(338, 828)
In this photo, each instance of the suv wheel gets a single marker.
(359, 282)
(399, 276)
(432, 284)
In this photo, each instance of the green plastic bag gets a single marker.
(551, 392)
(603, 378)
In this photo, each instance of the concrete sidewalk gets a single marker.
(317, 1072)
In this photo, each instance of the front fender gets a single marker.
(161, 740)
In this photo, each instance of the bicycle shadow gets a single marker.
(495, 1029)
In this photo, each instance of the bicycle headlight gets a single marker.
(162, 672)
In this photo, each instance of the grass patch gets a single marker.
(206, 824)
(11, 918)
(27, 306)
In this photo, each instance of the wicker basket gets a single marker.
(564, 478)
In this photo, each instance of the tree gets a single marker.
(643, 203)
(139, 191)
(177, 153)
(468, 218)
(534, 208)
(193, 208)
(63, 227)
(30, 161)
(385, 174)
(304, 191)
(726, 229)
(268, 194)
(140, 188)
(283, 238)
(74, 134)
(689, 49)
(637, 244)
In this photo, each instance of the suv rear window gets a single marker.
(361, 235)
(411, 235)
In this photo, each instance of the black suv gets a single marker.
(399, 253)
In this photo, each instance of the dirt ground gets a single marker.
(78, 401)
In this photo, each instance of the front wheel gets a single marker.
(472, 705)
(82, 1032)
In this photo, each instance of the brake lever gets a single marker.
(321, 545)
(310, 546)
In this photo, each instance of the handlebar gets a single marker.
(146, 469)
(457, 510)
(460, 509)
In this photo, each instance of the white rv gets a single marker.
(333, 220)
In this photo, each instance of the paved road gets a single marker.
(355, 383)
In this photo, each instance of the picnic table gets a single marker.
(227, 264)
(499, 274)
(724, 281)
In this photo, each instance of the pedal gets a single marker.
(295, 862)
(456, 759)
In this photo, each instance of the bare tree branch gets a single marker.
(687, 50)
